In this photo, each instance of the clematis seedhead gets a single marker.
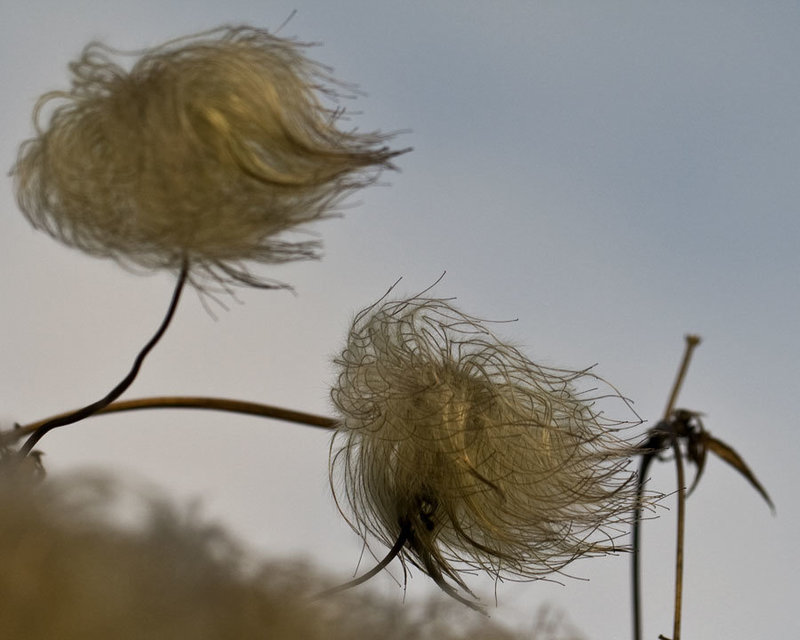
(477, 457)
(210, 149)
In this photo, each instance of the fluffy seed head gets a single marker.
(480, 457)
(210, 148)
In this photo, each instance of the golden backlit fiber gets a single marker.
(480, 457)
(209, 148)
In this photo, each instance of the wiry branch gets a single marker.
(117, 391)
(187, 402)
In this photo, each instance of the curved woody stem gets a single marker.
(193, 402)
(84, 412)
(393, 553)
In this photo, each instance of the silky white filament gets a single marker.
(210, 148)
(480, 457)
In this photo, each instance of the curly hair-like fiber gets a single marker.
(475, 455)
(209, 148)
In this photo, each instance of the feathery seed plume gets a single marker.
(209, 148)
(461, 453)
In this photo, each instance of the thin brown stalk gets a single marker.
(189, 402)
(654, 443)
(393, 553)
(691, 343)
(676, 626)
(647, 458)
(119, 389)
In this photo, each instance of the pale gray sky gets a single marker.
(612, 174)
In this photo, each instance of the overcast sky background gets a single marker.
(613, 174)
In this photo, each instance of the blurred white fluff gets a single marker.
(210, 148)
(479, 457)
(71, 571)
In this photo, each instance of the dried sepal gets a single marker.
(687, 426)
(479, 457)
(210, 148)
(728, 454)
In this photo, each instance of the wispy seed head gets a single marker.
(480, 457)
(209, 148)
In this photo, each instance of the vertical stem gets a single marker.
(636, 588)
(691, 342)
(676, 627)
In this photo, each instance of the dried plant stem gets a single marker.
(194, 402)
(691, 343)
(676, 625)
(647, 458)
(651, 448)
(393, 553)
(88, 410)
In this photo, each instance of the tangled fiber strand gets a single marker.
(209, 148)
(478, 457)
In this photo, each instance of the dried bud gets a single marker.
(209, 149)
(477, 456)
